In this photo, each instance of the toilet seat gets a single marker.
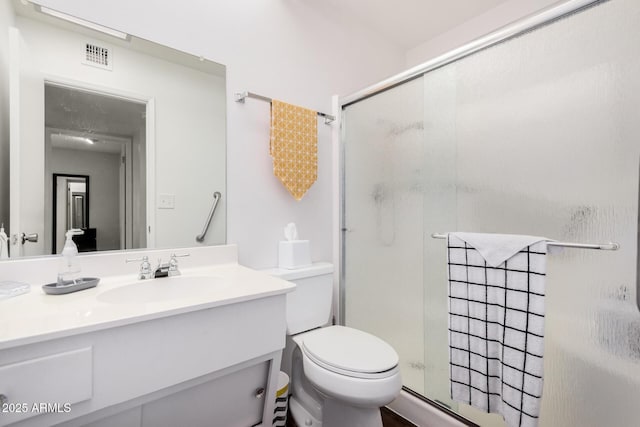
(357, 391)
(350, 352)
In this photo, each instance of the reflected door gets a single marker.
(26, 94)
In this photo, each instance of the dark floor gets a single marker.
(389, 419)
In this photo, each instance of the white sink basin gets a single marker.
(164, 289)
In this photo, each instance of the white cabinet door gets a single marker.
(234, 400)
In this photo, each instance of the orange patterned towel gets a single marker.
(294, 146)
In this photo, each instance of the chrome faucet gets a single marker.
(168, 269)
(145, 267)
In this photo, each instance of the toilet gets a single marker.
(340, 376)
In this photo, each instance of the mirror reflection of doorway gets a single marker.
(77, 204)
(78, 211)
(103, 138)
(71, 210)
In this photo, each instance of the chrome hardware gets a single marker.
(216, 198)
(145, 267)
(241, 96)
(168, 269)
(173, 264)
(161, 270)
(260, 393)
(611, 246)
(33, 237)
(517, 28)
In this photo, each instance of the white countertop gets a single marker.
(35, 316)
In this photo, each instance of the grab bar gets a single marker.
(216, 199)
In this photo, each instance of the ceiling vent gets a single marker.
(98, 56)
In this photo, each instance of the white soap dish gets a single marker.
(11, 289)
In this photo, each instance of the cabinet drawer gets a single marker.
(44, 385)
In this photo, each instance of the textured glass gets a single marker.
(538, 135)
(384, 239)
(440, 215)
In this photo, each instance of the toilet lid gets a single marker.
(349, 349)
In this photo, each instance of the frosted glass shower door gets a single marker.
(537, 135)
(383, 240)
(547, 136)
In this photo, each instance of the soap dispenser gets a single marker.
(69, 272)
(69, 265)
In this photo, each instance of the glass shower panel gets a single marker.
(383, 236)
(440, 215)
(547, 137)
(548, 142)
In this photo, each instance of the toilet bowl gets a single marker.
(340, 376)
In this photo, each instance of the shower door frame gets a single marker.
(522, 26)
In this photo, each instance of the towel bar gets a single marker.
(241, 96)
(611, 246)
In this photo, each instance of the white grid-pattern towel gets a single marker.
(496, 330)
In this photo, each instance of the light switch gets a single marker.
(166, 201)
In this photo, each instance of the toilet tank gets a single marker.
(309, 305)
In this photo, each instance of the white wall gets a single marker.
(6, 20)
(472, 29)
(103, 170)
(284, 49)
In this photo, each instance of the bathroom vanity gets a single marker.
(202, 348)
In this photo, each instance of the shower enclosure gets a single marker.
(538, 134)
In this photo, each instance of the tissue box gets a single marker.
(294, 254)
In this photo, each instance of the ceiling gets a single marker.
(408, 23)
(81, 111)
(74, 141)
(89, 121)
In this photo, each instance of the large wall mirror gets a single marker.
(115, 135)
